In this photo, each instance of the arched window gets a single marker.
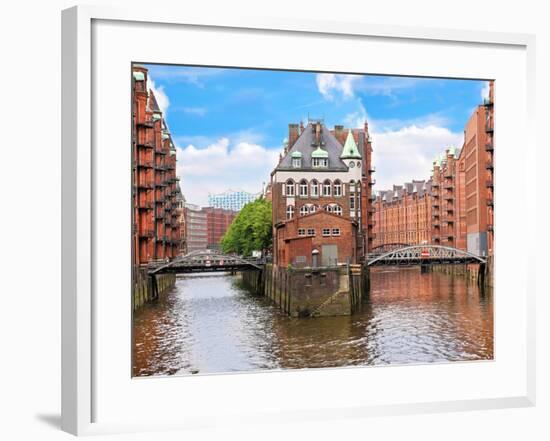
(303, 187)
(314, 192)
(290, 187)
(303, 210)
(337, 210)
(312, 208)
(326, 188)
(290, 212)
(328, 208)
(337, 188)
(352, 186)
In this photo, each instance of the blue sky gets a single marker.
(229, 124)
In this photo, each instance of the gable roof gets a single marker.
(306, 144)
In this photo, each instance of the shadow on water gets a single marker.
(212, 324)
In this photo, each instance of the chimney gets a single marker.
(318, 133)
(292, 134)
(338, 133)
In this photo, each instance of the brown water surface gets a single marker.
(211, 324)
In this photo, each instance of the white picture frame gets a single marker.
(86, 377)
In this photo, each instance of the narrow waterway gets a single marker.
(210, 324)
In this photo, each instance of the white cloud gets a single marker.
(160, 95)
(407, 153)
(357, 118)
(485, 91)
(197, 111)
(331, 85)
(222, 165)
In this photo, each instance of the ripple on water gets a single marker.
(209, 324)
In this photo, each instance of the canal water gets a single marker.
(209, 323)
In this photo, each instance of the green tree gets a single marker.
(251, 230)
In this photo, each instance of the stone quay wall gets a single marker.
(311, 292)
(145, 290)
(474, 272)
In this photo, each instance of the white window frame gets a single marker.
(326, 232)
(289, 186)
(320, 162)
(296, 162)
(337, 186)
(303, 188)
(327, 185)
(304, 210)
(336, 231)
(337, 210)
(301, 231)
(314, 190)
(290, 212)
(311, 231)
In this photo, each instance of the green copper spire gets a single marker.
(350, 150)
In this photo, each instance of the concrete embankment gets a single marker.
(147, 289)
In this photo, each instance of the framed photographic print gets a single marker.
(298, 220)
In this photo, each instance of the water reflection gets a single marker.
(209, 324)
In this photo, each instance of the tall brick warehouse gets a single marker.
(156, 194)
(456, 201)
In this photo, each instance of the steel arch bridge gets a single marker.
(424, 255)
(207, 261)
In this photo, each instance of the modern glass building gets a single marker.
(231, 200)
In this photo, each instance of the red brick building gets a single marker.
(458, 199)
(217, 223)
(321, 196)
(444, 199)
(403, 215)
(155, 189)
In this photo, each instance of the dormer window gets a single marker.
(320, 162)
(296, 159)
(319, 158)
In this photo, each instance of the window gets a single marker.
(301, 232)
(314, 189)
(311, 231)
(337, 188)
(328, 208)
(320, 162)
(352, 186)
(337, 210)
(290, 187)
(336, 231)
(312, 208)
(358, 164)
(352, 203)
(303, 187)
(326, 188)
(290, 212)
(351, 164)
(303, 210)
(326, 232)
(296, 162)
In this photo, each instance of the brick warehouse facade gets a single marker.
(217, 223)
(321, 195)
(156, 193)
(403, 215)
(457, 201)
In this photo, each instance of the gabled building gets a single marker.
(321, 196)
